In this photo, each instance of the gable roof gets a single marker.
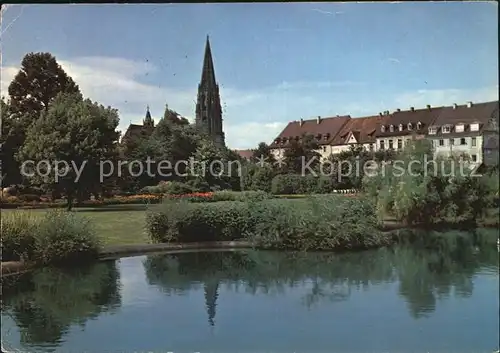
(364, 129)
(135, 130)
(425, 117)
(325, 128)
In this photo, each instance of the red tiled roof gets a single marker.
(479, 113)
(326, 129)
(425, 117)
(364, 129)
(247, 154)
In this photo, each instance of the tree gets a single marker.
(263, 151)
(38, 82)
(79, 133)
(10, 140)
(301, 153)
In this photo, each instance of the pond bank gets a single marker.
(9, 268)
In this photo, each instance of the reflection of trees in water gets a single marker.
(435, 267)
(47, 302)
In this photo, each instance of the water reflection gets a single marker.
(46, 303)
(436, 268)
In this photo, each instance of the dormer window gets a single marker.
(296, 138)
(474, 127)
(277, 140)
(410, 126)
(446, 129)
(327, 136)
(419, 125)
(382, 128)
(432, 130)
(391, 128)
(459, 128)
(400, 127)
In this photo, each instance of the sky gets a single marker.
(274, 62)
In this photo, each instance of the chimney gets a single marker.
(469, 104)
(428, 106)
(319, 119)
(380, 114)
(455, 105)
(301, 122)
(412, 109)
(398, 110)
(386, 112)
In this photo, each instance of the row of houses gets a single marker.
(470, 129)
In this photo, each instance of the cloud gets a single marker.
(250, 116)
(394, 60)
(328, 12)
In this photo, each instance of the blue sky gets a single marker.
(274, 62)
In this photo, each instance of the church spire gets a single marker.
(148, 121)
(208, 73)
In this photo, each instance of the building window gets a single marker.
(462, 141)
(459, 128)
(324, 148)
(473, 141)
(382, 128)
(452, 142)
(474, 158)
(391, 128)
(400, 127)
(446, 129)
(371, 146)
(474, 127)
(382, 145)
(390, 145)
(432, 130)
(410, 126)
(400, 144)
(419, 125)
(441, 142)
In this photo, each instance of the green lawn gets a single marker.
(115, 225)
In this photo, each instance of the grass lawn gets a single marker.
(115, 225)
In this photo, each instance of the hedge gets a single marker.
(321, 222)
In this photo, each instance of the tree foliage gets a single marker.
(80, 132)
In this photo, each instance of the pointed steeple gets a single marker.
(208, 73)
(148, 121)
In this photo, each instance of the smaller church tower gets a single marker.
(148, 122)
(208, 106)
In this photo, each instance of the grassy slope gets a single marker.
(116, 225)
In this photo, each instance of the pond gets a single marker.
(402, 299)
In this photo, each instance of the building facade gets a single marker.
(470, 129)
(463, 130)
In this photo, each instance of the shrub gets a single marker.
(320, 222)
(227, 195)
(18, 235)
(181, 221)
(56, 237)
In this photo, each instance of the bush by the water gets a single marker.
(321, 222)
(55, 237)
(441, 192)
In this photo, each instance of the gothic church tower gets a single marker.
(208, 107)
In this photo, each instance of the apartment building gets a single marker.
(466, 130)
(400, 127)
(324, 130)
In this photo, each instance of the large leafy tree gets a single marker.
(79, 132)
(38, 82)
